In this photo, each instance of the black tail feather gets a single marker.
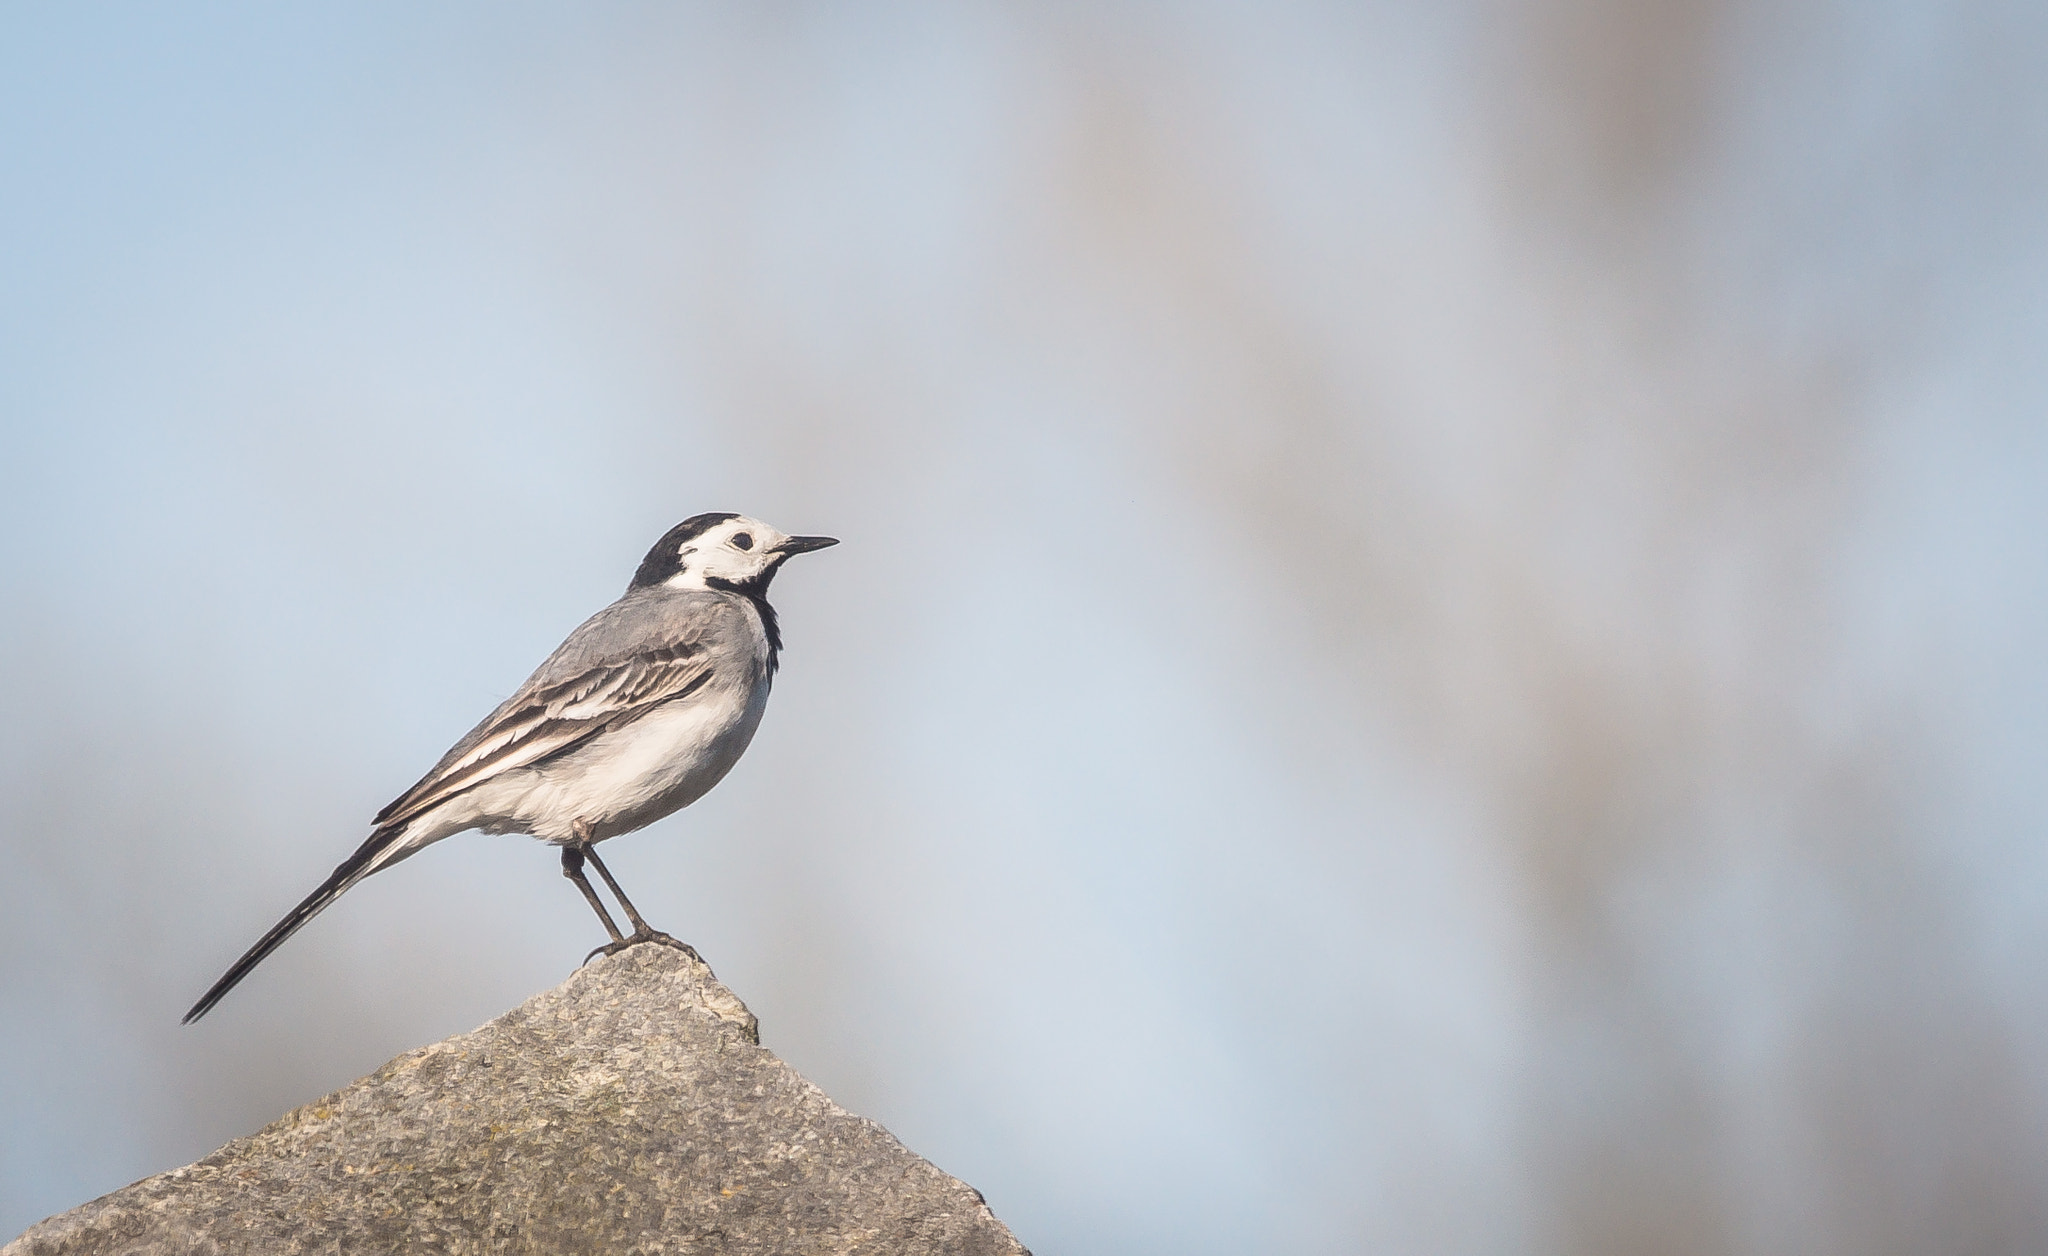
(350, 871)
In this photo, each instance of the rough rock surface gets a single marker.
(630, 1109)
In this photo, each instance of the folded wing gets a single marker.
(547, 717)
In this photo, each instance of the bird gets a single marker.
(639, 712)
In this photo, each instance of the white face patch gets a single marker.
(718, 555)
(690, 577)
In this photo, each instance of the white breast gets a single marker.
(632, 776)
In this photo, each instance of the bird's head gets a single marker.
(721, 550)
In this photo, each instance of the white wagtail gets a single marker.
(634, 716)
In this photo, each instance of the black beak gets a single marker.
(805, 544)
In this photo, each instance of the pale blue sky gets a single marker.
(1438, 643)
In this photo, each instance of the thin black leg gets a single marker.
(572, 868)
(639, 925)
(642, 932)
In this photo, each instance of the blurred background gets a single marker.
(1438, 646)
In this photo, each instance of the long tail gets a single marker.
(370, 856)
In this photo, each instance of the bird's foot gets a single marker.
(644, 935)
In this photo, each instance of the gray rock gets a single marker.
(630, 1109)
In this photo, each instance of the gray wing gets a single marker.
(613, 669)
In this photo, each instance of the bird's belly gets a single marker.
(629, 777)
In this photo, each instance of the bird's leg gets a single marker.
(639, 925)
(641, 931)
(572, 868)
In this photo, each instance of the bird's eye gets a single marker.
(742, 540)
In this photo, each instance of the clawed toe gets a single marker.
(651, 935)
(644, 935)
(573, 858)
